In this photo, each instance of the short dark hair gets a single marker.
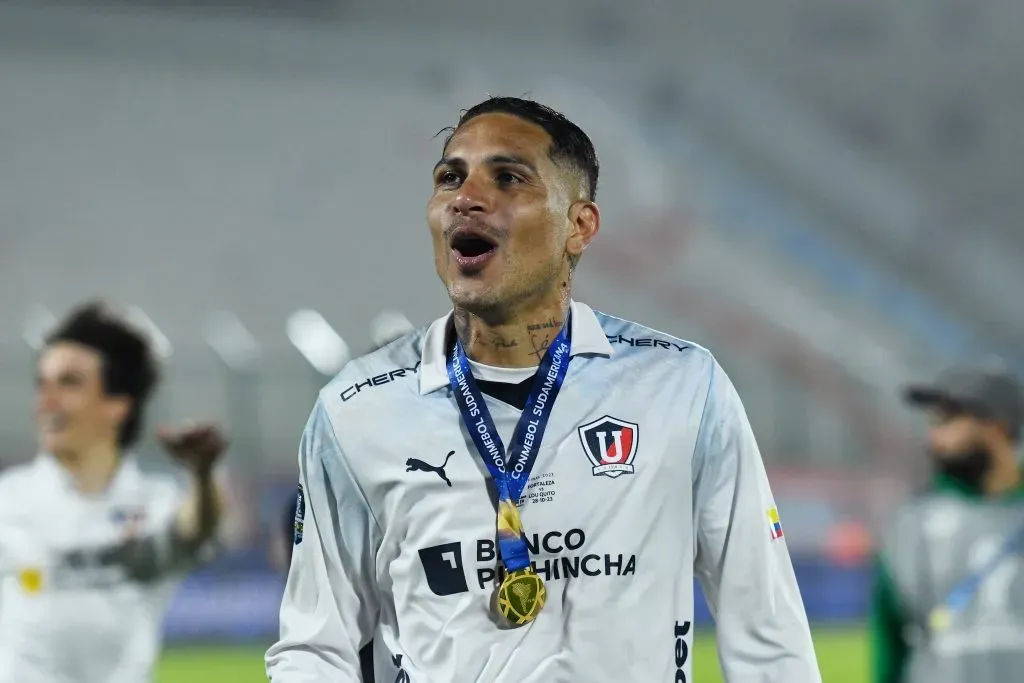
(571, 148)
(129, 365)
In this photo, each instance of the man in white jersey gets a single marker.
(523, 491)
(91, 547)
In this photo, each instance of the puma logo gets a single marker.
(417, 465)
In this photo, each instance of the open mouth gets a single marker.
(472, 249)
(471, 244)
(52, 424)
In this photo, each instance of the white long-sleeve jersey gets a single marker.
(68, 613)
(648, 474)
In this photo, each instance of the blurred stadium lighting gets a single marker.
(161, 344)
(389, 326)
(38, 323)
(317, 341)
(230, 339)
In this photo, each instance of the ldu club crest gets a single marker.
(610, 444)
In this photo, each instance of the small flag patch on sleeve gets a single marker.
(774, 524)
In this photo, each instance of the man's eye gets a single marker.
(448, 178)
(507, 178)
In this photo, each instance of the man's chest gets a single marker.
(595, 449)
(611, 481)
(58, 545)
(960, 542)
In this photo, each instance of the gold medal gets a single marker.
(31, 580)
(940, 619)
(521, 596)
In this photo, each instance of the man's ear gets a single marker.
(584, 224)
(117, 409)
(999, 430)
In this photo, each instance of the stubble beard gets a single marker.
(496, 302)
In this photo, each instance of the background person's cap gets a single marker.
(988, 392)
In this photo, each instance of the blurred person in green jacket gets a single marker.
(948, 602)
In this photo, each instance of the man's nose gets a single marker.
(47, 400)
(474, 196)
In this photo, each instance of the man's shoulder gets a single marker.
(15, 480)
(162, 485)
(164, 490)
(629, 337)
(927, 513)
(375, 377)
(21, 490)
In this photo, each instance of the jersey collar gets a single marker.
(588, 337)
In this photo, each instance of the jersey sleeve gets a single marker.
(330, 607)
(889, 648)
(741, 557)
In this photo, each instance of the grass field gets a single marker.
(842, 655)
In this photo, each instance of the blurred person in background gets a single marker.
(386, 328)
(396, 521)
(91, 547)
(949, 595)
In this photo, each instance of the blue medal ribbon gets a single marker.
(511, 469)
(963, 592)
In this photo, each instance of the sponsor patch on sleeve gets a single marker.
(300, 515)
